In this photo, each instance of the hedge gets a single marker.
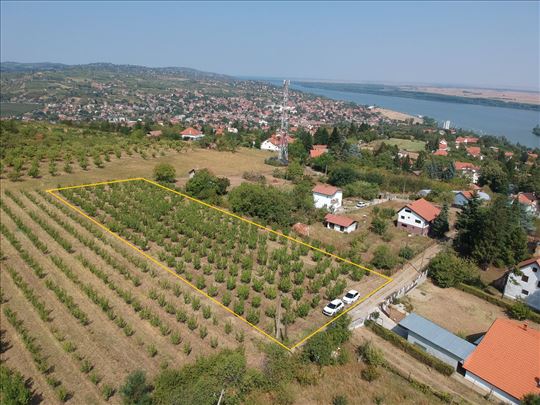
(534, 316)
(414, 351)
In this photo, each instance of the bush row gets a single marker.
(533, 316)
(414, 351)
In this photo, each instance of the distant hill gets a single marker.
(189, 73)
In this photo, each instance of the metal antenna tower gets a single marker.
(284, 131)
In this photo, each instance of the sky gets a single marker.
(487, 44)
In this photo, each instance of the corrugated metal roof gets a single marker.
(439, 336)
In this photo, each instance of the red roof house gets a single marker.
(474, 151)
(340, 223)
(506, 361)
(417, 216)
(440, 152)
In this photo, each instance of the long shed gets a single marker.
(436, 340)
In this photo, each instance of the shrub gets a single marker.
(339, 400)
(406, 252)
(136, 390)
(164, 172)
(370, 373)
(151, 350)
(370, 355)
(383, 258)
(187, 348)
(13, 389)
(519, 311)
(107, 391)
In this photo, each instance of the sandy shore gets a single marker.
(527, 97)
(396, 115)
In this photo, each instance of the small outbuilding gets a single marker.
(340, 223)
(436, 340)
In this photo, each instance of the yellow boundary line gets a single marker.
(158, 263)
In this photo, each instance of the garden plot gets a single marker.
(272, 281)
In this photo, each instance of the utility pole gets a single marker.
(284, 130)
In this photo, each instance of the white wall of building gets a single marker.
(343, 229)
(528, 281)
(409, 217)
(496, 392)
(267, 145)
(432, 349)
(331, 202)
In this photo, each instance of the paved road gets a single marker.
(402, 278)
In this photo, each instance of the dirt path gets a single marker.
(457, 386)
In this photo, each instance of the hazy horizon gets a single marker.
(443, 44)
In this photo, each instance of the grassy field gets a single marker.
(8, 109)
(470, 314)
(223, 163)
(403, 144)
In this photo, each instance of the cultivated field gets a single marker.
(81, 311)
(276, 284)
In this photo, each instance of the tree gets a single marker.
(297, 152)
(378, 225)
(136, 391)
(440, 224)
(13, 389)
(263, 202)
(448, 270)
(205, 186)
(164, 172)
(342, 174)
(494, 175)
(52, 168)
(34, 169)
(383, 258)
(531, 399)
(321, 136)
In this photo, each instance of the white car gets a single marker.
(361, 204)
(333, 307)
(351, 296)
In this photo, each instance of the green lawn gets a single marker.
(407, 144)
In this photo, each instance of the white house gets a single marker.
(273, 143)
(329, 197)
(506, 362)
(530, 202)
(526, 284)
(417, 216)
(340, 223)
(191, 134)
(469, 170)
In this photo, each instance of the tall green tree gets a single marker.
(494, 176)
(321, 136)
(205, 186)
(164, 172)
(440, 225)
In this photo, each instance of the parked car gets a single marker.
(351, 296)
(333, 307)
(361, 204)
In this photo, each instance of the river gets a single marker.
(516, 125)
